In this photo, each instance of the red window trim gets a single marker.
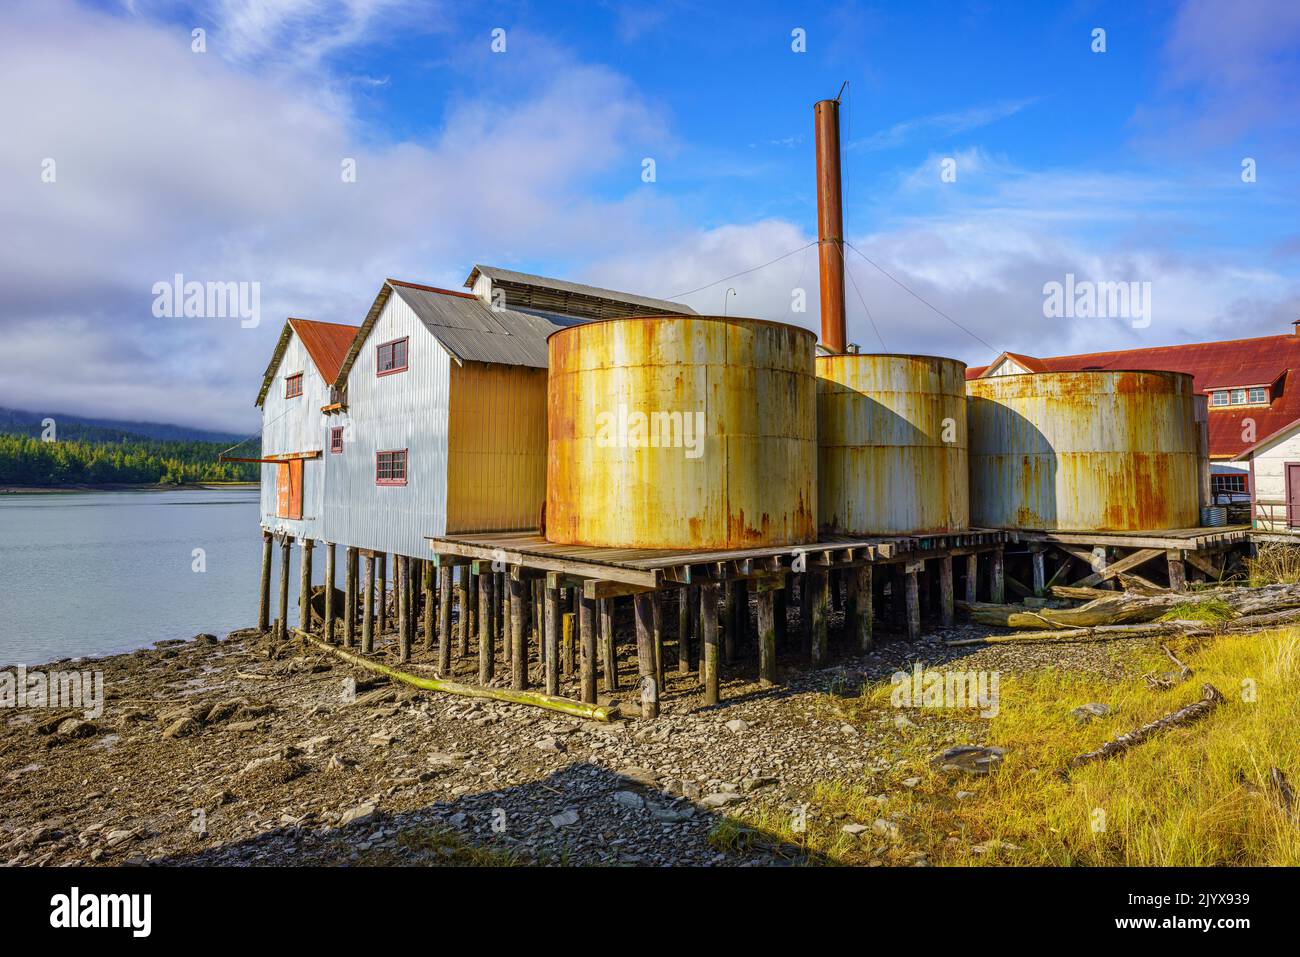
(287, 380)
(336, 440)
(389, 481)
(392, 342)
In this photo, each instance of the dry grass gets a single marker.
(1197, 795)
(1274, 565)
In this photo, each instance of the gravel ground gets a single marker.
(240, 752)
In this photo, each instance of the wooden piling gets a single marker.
(350, 598)
(587, 629)
(471, 603)
(947, 598)
(657, 635)
(329, 593)
(709, 641)
(729, 618)
(402, 587)
(568, 646)
(430, 606)
(264, 589)
(518, 632)
(767, 637)
(1177, 571)
(643, 606)
(444, 620)
(684, 620)
(285, 545)
(368, 612)
(462, 609)
(972, 577)
(913, 599)
(861, 631)
(487, 653)
(381, 622)
(304, 585)
(997, 584)
(782, 602)
(608, 646)
(551, 640)
(819, 648)
(1040, 571)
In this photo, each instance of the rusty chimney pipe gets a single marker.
(830, 223)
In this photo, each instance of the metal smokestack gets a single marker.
(830, 223)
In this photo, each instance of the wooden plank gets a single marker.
(1122, 565)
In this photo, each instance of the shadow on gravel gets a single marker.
(580, 815)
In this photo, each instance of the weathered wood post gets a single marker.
(551, 639)
(1036, 557)
(461, 574)
(472, 603)
(1177, 570)
(996, 580)
(608, 647)
(643, 607)
(729, 618)
(912, 591)
(402, 581)
(861, 631)
(487, 652)
(285, 545)
(518, 632)
(685, 595)
(782, 602)
(264, 589)
(304, 585)
(657, 633)
(430, 606)
(819, 649)
(767, 634)
(444, 619)
(382, 623)
(329, 593)
(587, 630)
(568, 645)
(972, 577)
(947, 598)
(368, 611)
(709, 641)
(350, 599)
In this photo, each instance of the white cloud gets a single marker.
(940, 125)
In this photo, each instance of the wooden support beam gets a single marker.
(997, 589)
(430, 606)
(587, 630)
(709, 641)
(657, 633)
(1124, 564)
(487, 654)
(462, 611)
(684, 621)
(304, 585)
(518, 633)
(972, 577)
(471, 605)
(330, 610)
(402, 586)
(264, 587)
(947, 596)
(1177, 571)
(819, 649)
(782, 605)
(445, 636)
(381, 624)
(767, 638)
(568, 644)
(285, 545)
(608, 644)
(350, 598)
(860, 614)
(551, 640)
(368, 612)
(1036, 558)
(729, 618)
(912, 591)
(643, 606)
(1206, 564)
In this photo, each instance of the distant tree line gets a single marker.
(27, 460)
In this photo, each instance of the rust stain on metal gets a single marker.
(891, 433)
(1105, 451)
(681, 432)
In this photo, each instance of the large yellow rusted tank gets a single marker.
(1084, 451)
(891, 437)
(682, 432)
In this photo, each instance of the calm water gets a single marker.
(93, 573)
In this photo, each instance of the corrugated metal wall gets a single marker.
(406, 410)
(295, 425)
(497, 440)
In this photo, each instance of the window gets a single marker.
(336, 439)
(293, 385)
(390, 468)
(1218, 398)
(1258, 395)
(1238, 396)
(390, 357)
(1228, 483)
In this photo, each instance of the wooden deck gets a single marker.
(1181, 539)
(648, 569)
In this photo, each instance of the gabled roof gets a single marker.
(1235, 363)
(464, 325)
(564, 292)
(326, 342)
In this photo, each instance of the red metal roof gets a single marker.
(326, 342)
(1213, 365)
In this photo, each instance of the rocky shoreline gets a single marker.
(240, 751)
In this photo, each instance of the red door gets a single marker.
(288, 489)
(1293, 495)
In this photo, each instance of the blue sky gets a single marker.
(224, 165)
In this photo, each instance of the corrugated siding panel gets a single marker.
(407, 410)
(497, 443)
(295, 425)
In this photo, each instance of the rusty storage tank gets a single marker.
(682, 432)
(891, 437)
(1084, 451)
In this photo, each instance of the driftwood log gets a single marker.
(1210, 699)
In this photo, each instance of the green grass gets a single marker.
(1213, 611)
